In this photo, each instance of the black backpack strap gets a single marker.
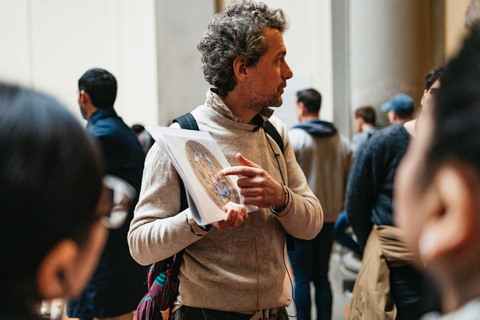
(187, 121)
(272, 131)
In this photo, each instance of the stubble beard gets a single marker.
(260, 102)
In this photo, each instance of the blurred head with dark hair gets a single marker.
(97, 89)
(432, 77)
(364, 117)
(438, 185)
(311, 99)
(307, 104)
(432, 86)
(50, 184)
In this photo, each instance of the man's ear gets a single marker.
(84, 97)
(453, 221)
(52, 274)
(240, 68)
(392, 116)
(301, 107)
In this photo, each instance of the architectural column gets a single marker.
(391, 51)
(181, 85)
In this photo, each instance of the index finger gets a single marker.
(239, 170)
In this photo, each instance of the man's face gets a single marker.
(428, 102)
(298, 109)
(392, 117)
(358, 123)
(269, 76)
(428, 98)
(411, 204)
(80, 104)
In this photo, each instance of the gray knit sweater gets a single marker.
(239, 270)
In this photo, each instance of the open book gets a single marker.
(198, 160)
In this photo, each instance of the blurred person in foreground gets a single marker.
(386, 264)
(438, 188)
(50, 186)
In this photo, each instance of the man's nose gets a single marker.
(287, 72)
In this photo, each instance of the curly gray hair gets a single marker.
(236, 32)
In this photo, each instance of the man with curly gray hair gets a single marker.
(235, 268)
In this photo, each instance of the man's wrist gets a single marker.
(286, 198)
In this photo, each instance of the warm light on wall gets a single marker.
(454, 25)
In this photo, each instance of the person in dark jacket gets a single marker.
(119, 282)
(50, 185)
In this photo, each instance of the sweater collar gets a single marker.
(216, 103)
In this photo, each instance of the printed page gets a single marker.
(199, 160)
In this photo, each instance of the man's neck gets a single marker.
(310, 117)
(88, 110)
(238, 108)
(410, 126)
(366, 126)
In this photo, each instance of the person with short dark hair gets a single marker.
(367, 114)
(400, 108)
(233, 268)
(325, 158)
(437, 188)
(50, 186)
(311, 99)
(365, 119)
(119, 282)
(369, 207)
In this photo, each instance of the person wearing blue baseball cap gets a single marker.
(400, 108)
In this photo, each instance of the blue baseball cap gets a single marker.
(400, 103)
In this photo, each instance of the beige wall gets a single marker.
(150, 46)
(181, 85)
(390, 51)
(48, 44)
(454, 25)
